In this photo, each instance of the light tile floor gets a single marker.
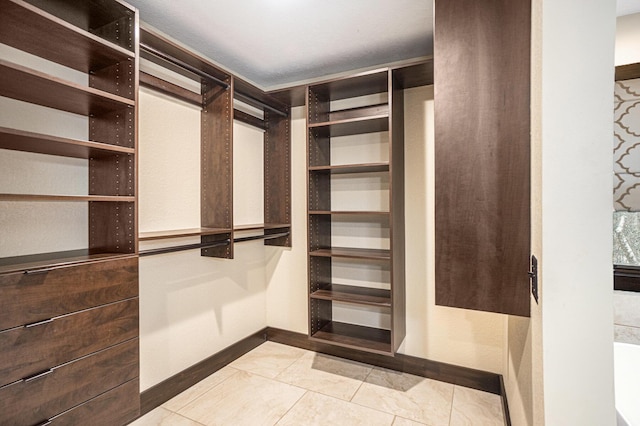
(281, 385)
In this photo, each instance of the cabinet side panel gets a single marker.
(398, 321)
(482, 154)
(216, 202)
(277, 174)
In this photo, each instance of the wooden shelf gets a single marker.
(352, 253)
(355, 336)
(53, 260)
(180, 233)
(36, 87)
(73, 198)
(366, 83)
(20, 140)
(260, 226)
(351, 168)
(353, 126)
(32, 30)
(353, 294)
(348, 213)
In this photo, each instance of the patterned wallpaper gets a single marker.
(626, 146)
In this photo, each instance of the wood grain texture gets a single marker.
(168, 88)
(277, 174)
(20, 140)
(36, 87)
(216, 200)
(118, 406)
(34, 401)
(353, 336)
(628, 72)
(28, 350)
(626, 278)
(27, 28)
(482, 154)
(28, 298)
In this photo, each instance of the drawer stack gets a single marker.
(69, 334)
(69, 344)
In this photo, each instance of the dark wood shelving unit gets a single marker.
(351, 168)
(53, 260)
(324, 124)
(352, 126)
(20, 140)
(76, 310)
(352, 253)
(353, 294)
(28, 28)
(36, 87)
(181, 233)
(219, 89)
(353, 336)
(348, 213)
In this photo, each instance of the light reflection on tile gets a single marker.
(475, 408)
(405, 395)
(269, 359)
(325, 374)
(179, 401)
(243, 399)
(316, 409)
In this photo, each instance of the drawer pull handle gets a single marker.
(37, 323)
(38, 375)
(45, 423)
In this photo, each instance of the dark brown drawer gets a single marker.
(29, 297)
(36, 400)
(117, 407)
(25, 351)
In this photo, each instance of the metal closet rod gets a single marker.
(249, 99)
(208, 76)
(184, 65)
(261, 237)
(173, 249)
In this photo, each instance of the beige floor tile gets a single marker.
(411, 397)
(243, 399)
(399, 421)
(317, 409)
(327, 375)
(163, 417)
(476, 408)
(269, 359)
(179, 401)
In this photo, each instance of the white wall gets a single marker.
(627, 36)
(192, 306)
(575, 94)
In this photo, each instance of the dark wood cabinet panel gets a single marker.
(118, 406)
(46, 395)
(482, 154)
(25, 351)
(30, 297)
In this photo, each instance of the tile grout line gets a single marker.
(292, 405)
(453, 397)
(201, 395)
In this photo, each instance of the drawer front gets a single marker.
(25, 351)
(34, 401)
(30, 297)
(117, 407)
